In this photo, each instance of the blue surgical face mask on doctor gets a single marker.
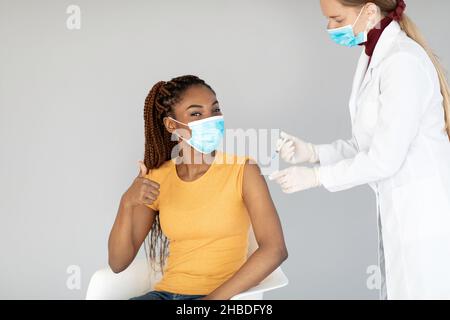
(345, 36)
(206, 134)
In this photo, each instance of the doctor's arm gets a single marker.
(336, 151)
(405, 91)
(266, 224)
(294, 150)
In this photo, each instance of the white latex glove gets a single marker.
(295, 179)
(296, 151)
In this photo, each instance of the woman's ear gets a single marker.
(373, 14)
(170, 125)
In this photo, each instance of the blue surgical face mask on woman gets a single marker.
(346, 36)
(206, 134)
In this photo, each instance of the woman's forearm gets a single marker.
(258, 266)
(120, 244)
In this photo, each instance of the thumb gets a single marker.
(143, 169)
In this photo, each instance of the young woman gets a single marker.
(197, 203)
(400, 111)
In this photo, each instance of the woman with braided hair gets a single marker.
(400, 115)
(195, 204)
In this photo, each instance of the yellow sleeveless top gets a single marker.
(206, 222)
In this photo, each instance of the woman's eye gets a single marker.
(217, 109)
(196, 114)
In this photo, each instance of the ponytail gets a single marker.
(158, 144)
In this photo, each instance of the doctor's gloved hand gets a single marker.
(296, 151)
(295, 179)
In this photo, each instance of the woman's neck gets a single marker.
(193, 164)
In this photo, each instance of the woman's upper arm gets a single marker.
(263, 215)
(143, 218)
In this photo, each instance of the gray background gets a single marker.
(71, 127)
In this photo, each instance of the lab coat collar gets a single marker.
(385, 43)
(363, 74)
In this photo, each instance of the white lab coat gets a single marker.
(399, 147)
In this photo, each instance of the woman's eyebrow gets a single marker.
(199, 106)
(194, 106)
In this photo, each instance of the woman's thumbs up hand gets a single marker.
(142, 191)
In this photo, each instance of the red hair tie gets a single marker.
(397, 13)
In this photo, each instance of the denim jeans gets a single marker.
(164, 295)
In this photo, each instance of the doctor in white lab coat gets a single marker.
(400, 113)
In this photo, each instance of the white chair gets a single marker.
(139, 278)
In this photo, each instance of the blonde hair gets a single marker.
(410, 28)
